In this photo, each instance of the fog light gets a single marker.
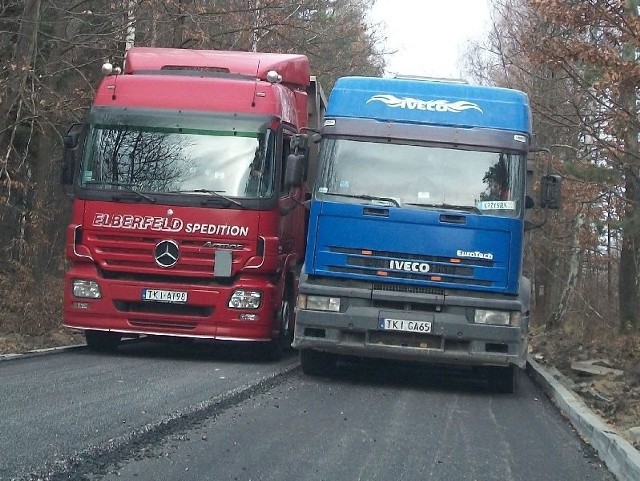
(80, 305)
(249, 317)
(86, 288)
(496, 318)
(245, 300)
(322, 303)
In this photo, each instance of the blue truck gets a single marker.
(417, 226)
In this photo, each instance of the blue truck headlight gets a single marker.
(243, 299)
(86, 288)
(497, 318)
(319, 303)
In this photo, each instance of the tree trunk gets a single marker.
(559, 314)
(628, 277)
(12, 112)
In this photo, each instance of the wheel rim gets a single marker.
(285, 316)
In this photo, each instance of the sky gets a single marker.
(430, 35)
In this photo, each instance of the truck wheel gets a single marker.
(504, 379)
(101, 341)
(274, 349)
(286, 319)
(317, 363)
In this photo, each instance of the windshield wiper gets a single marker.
(131, 195)
(213, 193)
(391, 200)
(466, 208)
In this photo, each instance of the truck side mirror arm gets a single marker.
(70, 142)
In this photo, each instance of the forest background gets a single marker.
(577, 60)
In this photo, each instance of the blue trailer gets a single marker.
(417, 226)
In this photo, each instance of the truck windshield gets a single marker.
(481, 182)
(168, 153)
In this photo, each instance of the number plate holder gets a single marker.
(160, 295)
(404, 325)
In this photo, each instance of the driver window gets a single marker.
(286, 149)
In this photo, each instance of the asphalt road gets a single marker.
(202, 412)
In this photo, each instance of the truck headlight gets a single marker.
(319, 303)
(86, 288)
(243, 299)
(497, 318)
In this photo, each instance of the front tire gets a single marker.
(102, 341)
(275, 348)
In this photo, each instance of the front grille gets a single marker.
(167, 279)
(409, 276)
(377, 263)
(412, 267)
(410, 257)
(408, 289)
(188, 326)
(163, 308)
(121, 254)
(401, 339)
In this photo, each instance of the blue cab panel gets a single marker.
(429, 248)
(417, 247)
(430, 103)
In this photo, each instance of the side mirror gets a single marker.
(529, 203)
(294, 173)
(299, 143)
(71, 140)
(550, 191)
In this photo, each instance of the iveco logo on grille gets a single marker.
(167, 253)
(409, 266)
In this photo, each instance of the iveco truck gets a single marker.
(417, 227)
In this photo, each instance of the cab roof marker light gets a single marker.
(367, 253)
(382, 273)
(436, 278)
(455, 261)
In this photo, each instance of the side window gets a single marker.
(286, 148)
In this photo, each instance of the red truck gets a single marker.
(188, 181)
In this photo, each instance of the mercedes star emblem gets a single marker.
(166, 253)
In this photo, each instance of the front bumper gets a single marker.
(453, 338)
(205, 314)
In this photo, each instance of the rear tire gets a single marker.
(102, 341)
(317, 363)
(504, 380)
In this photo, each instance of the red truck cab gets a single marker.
(188, 181)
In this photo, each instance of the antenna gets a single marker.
(255, 86)
(109, 69)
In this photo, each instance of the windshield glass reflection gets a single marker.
(145, 154)
(423, 177)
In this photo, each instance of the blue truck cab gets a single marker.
(416, 229)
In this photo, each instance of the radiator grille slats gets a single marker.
(395, 265)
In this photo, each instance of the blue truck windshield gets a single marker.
(484, 182)
(149, 155)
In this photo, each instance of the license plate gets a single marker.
(158, 295)
(404, 325)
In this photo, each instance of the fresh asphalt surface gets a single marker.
(161, 411)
